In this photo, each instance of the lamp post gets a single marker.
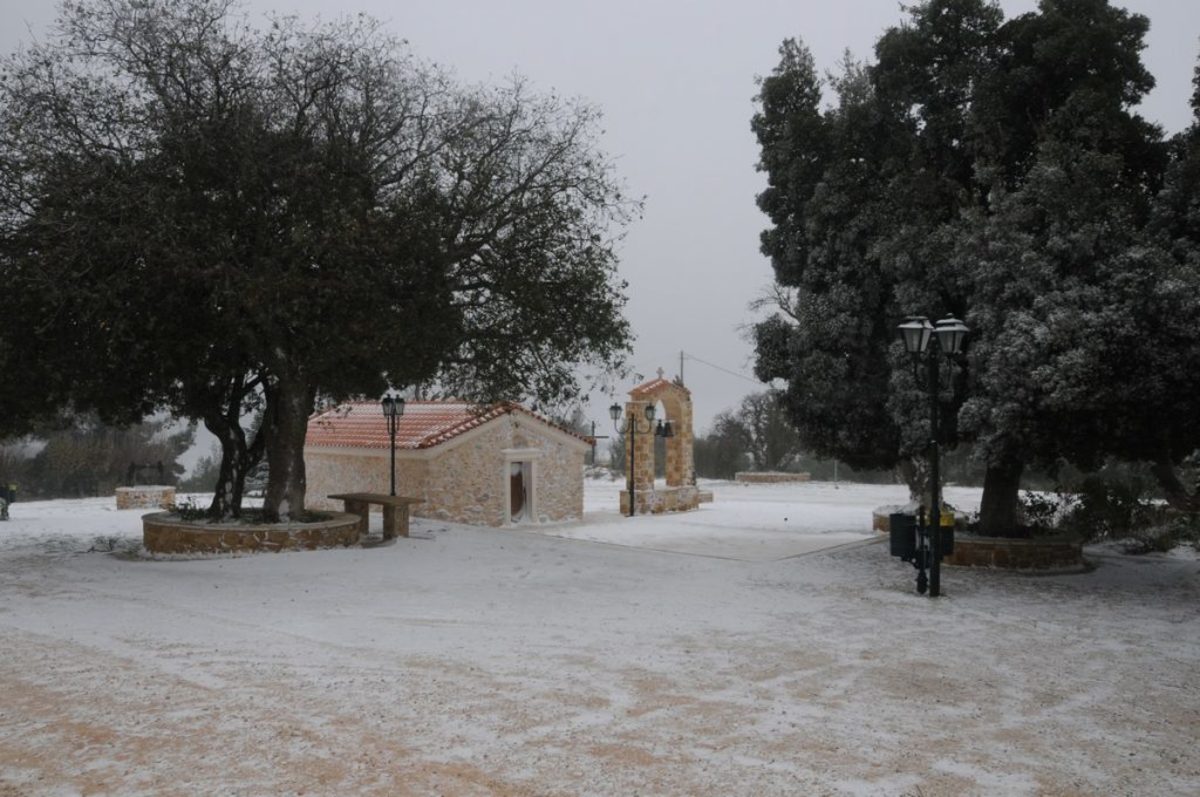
(948, 335)
(631, 425)
(393, 408)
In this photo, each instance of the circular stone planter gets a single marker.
(1017, 554)
(1007, 553)
(145, 496)
(163, 532)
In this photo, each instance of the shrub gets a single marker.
(191, 511)
(1175, 529)
(1111, 504)
(188, 509)
(1043, 512)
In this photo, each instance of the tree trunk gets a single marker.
(237, 460)
(289, 403)
(231, 478)
(914, 472)
(998, 509)
(1177, 495)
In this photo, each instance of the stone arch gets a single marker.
(680, 493)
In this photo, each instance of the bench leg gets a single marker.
(363, 510)
(395, 521)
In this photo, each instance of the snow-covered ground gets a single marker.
(725, 652)
(754, 522)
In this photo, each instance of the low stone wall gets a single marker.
(662, 499)
(1016, 554)
(147, 496)
(163, 532)
(769, 477)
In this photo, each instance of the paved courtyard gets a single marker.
(471, 661)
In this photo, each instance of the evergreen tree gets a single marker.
(1159, 340)
(987, 169)
(1056, 243)
(829, 341)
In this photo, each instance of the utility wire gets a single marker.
(722, 370)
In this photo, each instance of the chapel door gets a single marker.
(516, 478)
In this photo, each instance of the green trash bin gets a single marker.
(902, 531)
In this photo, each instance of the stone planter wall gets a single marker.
(163, 532)
(769, 477)
(1000, 552)
(1016, 554)
(147, 496)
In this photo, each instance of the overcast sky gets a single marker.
(675, 81)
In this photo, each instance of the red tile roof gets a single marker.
(424, 424)
(655, 385)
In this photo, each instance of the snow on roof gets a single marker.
(424, 424)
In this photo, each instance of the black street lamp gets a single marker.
(631, 425)
(393, 408)
(948, 335)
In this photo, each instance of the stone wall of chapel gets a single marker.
(558, 474)
(465, 483)
(330, 472)
(469, 482)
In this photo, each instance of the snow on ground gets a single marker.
(468, 661)
(754, 522)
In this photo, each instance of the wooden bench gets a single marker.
(395, 511)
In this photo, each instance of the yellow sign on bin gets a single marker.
(947, 520)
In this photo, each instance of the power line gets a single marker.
(722, 370)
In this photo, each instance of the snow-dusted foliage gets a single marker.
(994, 170)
